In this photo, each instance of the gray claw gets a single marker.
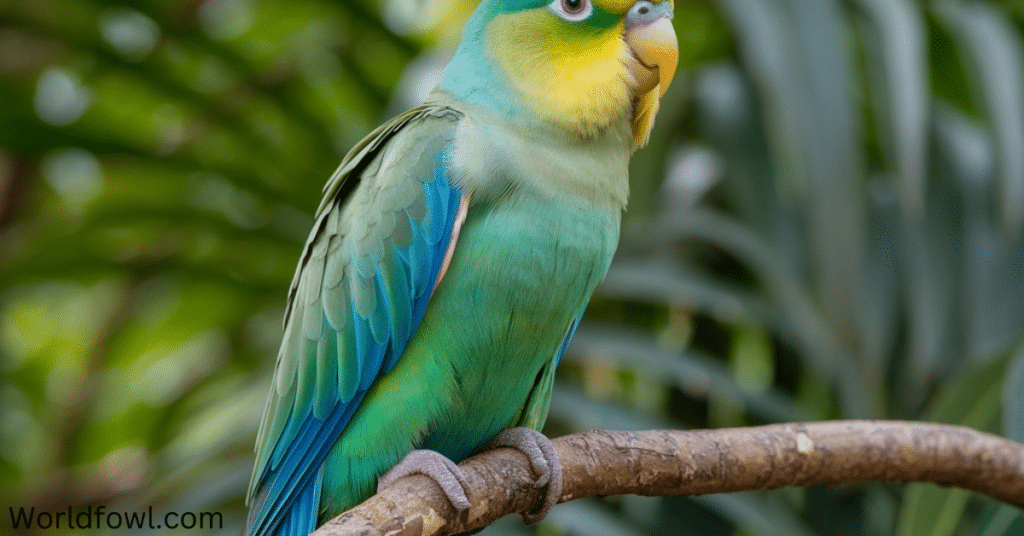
(441, 470)
(543, 459)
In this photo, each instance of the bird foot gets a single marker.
(448, 476)
(544, 461)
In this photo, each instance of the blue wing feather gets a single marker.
(363, 329)
(568, 337)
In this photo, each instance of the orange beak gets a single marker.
(652, 39)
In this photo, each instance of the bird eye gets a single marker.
(573, 6)
(572, 10)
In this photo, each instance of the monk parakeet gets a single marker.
(452, 256)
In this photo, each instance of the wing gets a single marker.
(535, 410)
(388, 221)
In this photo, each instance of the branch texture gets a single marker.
(667, 463)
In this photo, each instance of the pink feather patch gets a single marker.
(456, 228)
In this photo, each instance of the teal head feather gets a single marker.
(570, 65)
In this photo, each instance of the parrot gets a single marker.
(452, 256)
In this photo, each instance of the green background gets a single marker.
(828, 223)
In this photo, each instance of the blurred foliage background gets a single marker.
(828, 223)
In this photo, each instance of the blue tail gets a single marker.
(301, 518)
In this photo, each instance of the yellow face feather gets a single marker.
(576, 79)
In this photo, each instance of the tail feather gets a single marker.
(301, 519)
(283, 493)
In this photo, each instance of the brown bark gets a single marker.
(667, 463)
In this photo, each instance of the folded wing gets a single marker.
(387, 220)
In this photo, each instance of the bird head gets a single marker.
(581, 67)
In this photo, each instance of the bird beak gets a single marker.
(651, 38)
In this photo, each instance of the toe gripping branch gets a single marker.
(537, 448)
(448, 476)
(543, 459)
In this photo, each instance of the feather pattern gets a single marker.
(358, 294)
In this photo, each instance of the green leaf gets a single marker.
(970, 400)
(930, 510)
(901, 69)
(997, 53)
(1013, 401)
(696, 375)
(663, 285)
(580, 412)
(729, 116)
(1004, 520)
(586, 517)
(758, 511)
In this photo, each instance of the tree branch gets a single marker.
(667, 463)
